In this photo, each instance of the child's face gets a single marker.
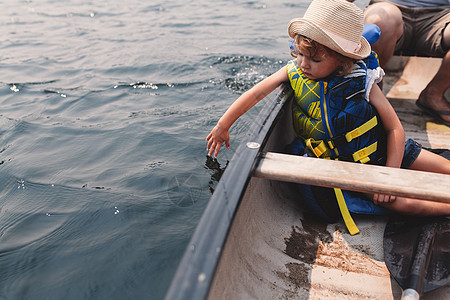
(318, 66)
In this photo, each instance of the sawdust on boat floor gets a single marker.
(302, 245)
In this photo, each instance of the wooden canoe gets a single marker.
(254, 241)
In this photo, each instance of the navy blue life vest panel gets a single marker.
(347, 109)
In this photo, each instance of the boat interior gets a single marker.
(277, 250)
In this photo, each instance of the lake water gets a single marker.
(104, 110)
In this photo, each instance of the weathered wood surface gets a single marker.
(421, 127)
(403, 94)
(417, 73)
(355, 177)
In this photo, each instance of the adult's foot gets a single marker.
(435, 105)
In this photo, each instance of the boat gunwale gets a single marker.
(196, 270)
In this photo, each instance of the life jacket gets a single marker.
(333, 120)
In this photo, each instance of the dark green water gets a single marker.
(104, 110)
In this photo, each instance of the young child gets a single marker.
(339, 111)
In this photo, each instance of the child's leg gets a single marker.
(411, 206)
(431, 162)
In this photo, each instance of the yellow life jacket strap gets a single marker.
(317, 147)
(320, 147)
(363, 155)
(358, 131)
(351, 226)
(360, 155)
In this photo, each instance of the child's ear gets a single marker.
(340, 67)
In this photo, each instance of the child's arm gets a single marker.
(394, 131)
(247, 100)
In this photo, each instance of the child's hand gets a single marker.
(216, 138)
(383, 198)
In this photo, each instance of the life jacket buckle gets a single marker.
(337, 141)
(318, 150)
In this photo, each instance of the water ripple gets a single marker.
(105, 106)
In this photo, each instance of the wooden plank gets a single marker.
(421, 127)
(404, 89)
(353, 176)
(416, 75)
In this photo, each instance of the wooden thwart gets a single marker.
(353, 176)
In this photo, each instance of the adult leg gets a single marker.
(433, 94)
(389, 18)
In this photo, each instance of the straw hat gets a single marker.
(337, 24)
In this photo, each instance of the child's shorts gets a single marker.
(412, 151)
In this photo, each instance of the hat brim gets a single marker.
(310, 30)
